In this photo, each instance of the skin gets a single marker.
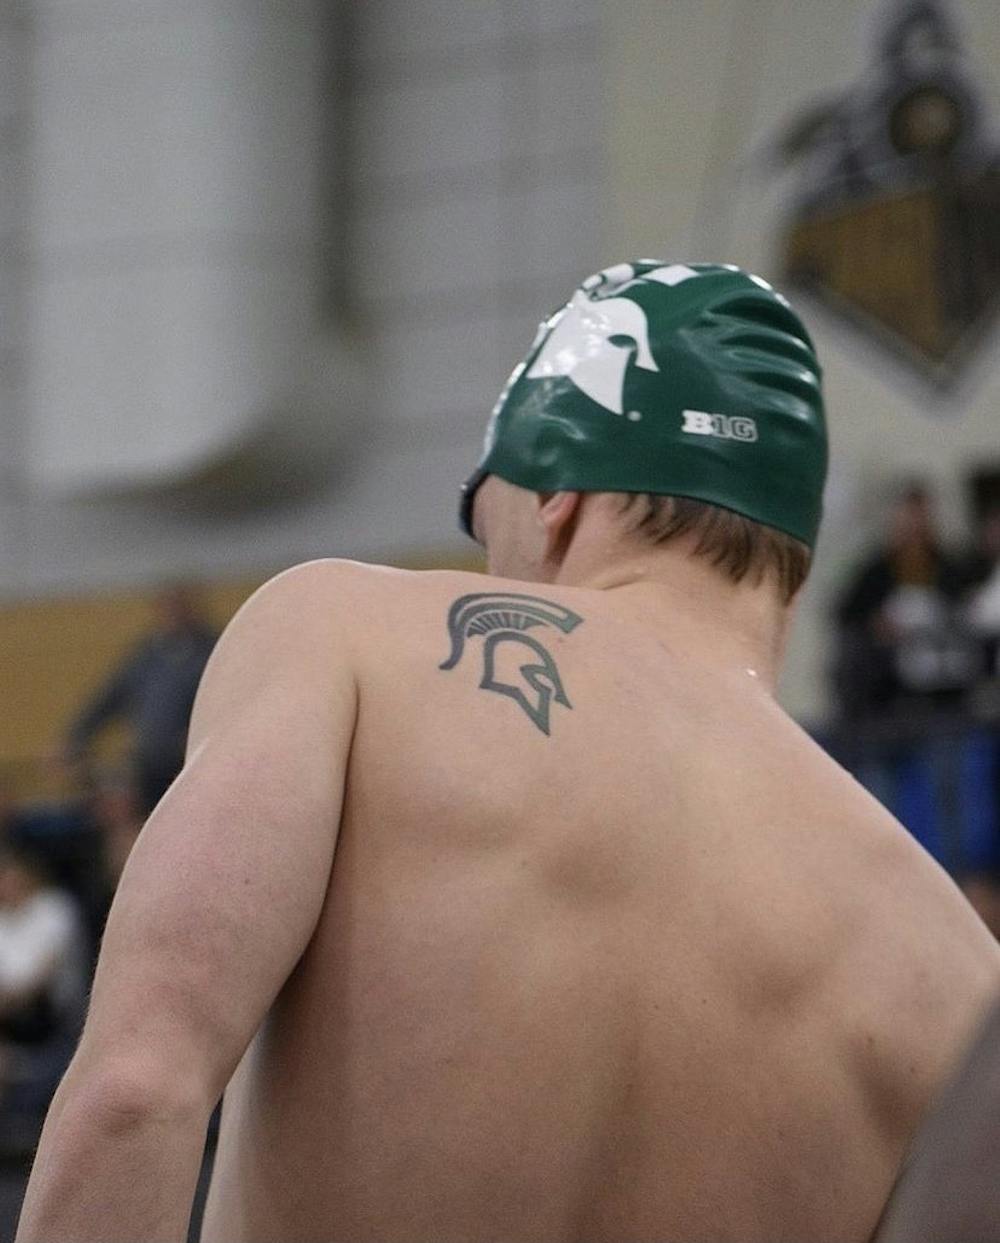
(644, 965)
(948, 1189)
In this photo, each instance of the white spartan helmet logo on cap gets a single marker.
(579, 343)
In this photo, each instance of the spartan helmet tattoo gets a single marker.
(503, 619)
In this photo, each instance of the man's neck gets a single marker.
(740, 626)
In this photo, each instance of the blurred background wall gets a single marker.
(264, 270)
(704, 97)
(264, 267)
(214, 211)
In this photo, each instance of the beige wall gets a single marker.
(696, 87)
(57, 651)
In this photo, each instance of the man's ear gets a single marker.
(557, 514)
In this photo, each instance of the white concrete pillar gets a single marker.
(176, 234)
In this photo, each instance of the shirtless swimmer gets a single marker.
(514, 908)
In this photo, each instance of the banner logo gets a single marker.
(897, 225)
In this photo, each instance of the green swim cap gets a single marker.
(693, 380)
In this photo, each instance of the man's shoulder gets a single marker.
(359, 607)
(333, 604)
(335, 586)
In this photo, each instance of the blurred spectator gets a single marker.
(118, 820)
(10, 818)
(982, 614)
(8, 813)
(58, 827)
(896, 635)
(42, 977)
(983, 892)
(154, 690)
(982, 605)
(84, 834)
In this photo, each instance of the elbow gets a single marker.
(126, 1097)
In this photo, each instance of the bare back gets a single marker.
(663, 971)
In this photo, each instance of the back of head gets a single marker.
(693, 381)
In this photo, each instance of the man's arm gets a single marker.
(219, 898)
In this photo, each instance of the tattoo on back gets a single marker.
(502, 619)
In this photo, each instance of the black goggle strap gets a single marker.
(467, 499)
